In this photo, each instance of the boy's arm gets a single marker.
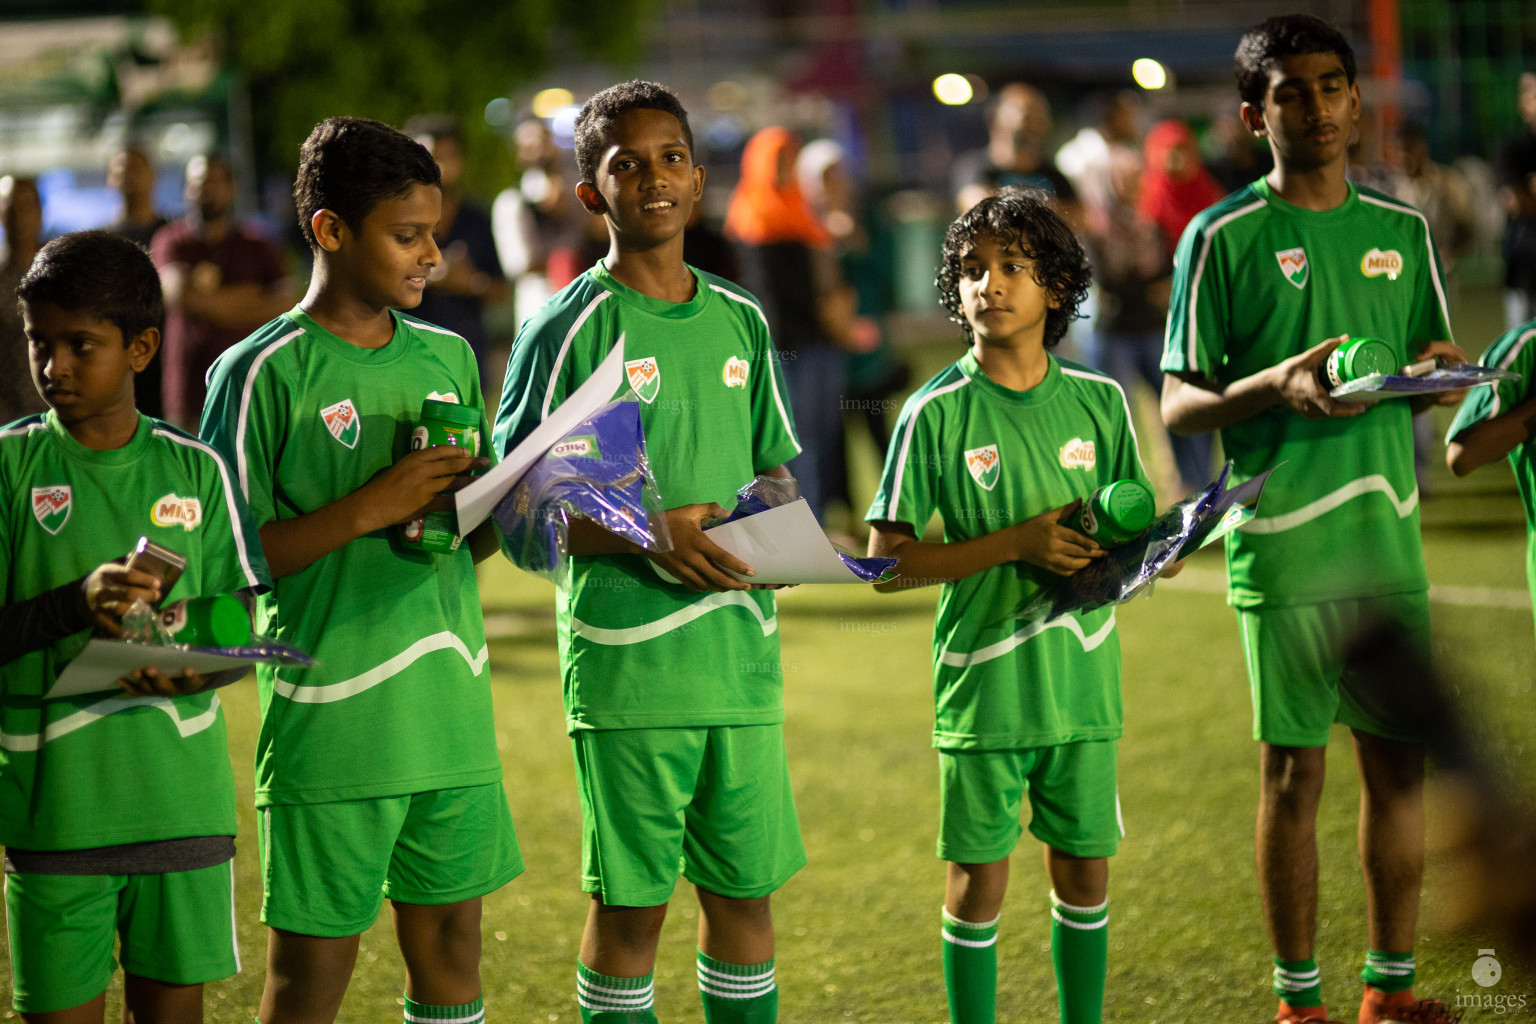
(1491, 440)
(1041, 540)
(1193, 403)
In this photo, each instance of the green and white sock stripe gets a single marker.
(1389, 972)
(426, 1013)
(596, 991)
(970, 933)
(734, 981)
(1081, 918)
(1298, 982)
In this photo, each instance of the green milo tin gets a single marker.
(441, 423)
(218, 621)
(1356, 358)
(1115, 513)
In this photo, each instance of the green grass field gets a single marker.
(858, 928)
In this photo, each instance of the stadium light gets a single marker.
(549, 102)
(953, 90)
(1149, 74)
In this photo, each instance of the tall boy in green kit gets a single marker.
(1266, 284)
(1003, 445)
(376, 771)
(673, 693)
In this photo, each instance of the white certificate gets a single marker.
(103, 662)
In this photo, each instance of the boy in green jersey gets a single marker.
(376, 771)
(1500, 420)
(117, 812)
(1003, 445)
(673, 693)
(1266, 284)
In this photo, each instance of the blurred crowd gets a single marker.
(805, 230)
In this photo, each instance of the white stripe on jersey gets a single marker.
(1429, 253)
(1332, 500)
(963, 659)
(229, 499)
(565, 346)
(23, 431)
(773, 365)
(1192, 349)
(1506, 363)
(245, 408)
(93, 713)
(893, 500)
(681, 617)
(329, 693)
(234, 935)
(1130, 421)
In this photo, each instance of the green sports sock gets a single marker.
(1299, 982)
(426, 1013)
(608, 1000)
(970, 969)
(737, 993)
(1080, 952)
(1389, 972)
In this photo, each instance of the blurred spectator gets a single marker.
(1439, 192)
(221, 283)
(1516, 166)
(1175, 184)
(1086, 158)
(470, 275)
(1133, 266)
(21, 214)
(538, 224)
(1243, 159)
(131, 173)
(1017, 153)
(788, 263)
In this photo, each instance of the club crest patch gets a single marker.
(343, 422)
(1293, 264)
(984, 465)
(174, 510)
(1375, 263)
(51, 506)
(645, 377)
(1079, 454)
(735, 373)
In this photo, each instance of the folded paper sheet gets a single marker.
(97, 668)
(1375, 386)
(784, 545)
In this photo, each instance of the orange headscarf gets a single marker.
(765, 207)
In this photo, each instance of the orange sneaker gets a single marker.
(1380, 1007)
(1288, 1014)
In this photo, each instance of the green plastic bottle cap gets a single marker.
(228, 623)
(1128, 506)
(1364, 356)
(449, 412)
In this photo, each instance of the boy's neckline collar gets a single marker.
(385, 353)
(649, 303)
(100, 456)
(1277, 202)
(1042, 392)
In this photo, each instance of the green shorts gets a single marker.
(1295, 660)
(1074, 806)
(712, 804)
(178, 928)
(326, 869)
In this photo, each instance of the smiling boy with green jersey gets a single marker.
(117, 811)
(377, 770)
(674, 698)
(1003, 445)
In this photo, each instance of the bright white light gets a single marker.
(953, 90)
(562, 123)
(547, 102)
(1149, 74)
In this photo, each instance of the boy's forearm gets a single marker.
(294, 544)
(1192, 406)
(586, 537)
(924, 563)
(1491, 440)
(31, 625)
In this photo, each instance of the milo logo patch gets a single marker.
(343, 422)
(583, 447)
(1079, 454)
(734, 373)
(174, 510)
(1375, 263)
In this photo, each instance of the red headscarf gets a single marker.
(1171, 203)
(766, 208)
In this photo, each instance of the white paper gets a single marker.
(476, 502)
(103, 662)
(784, 544)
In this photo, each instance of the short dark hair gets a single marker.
(600, 112)
(101, 274)
(1023, 216)
(1285, 36)
(349, 165)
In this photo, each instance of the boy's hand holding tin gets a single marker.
(418, 484)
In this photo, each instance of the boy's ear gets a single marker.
(142, 348)
(327, 226)
(591, 198)
(1253, 119)
(698, 182)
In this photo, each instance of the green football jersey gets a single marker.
(984, 457)
(400, 700)
(636, 651)
(97, 770)
(1258, 280)
(1514, 351)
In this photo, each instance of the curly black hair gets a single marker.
(600, 112)
(1023, 216)
(349, 165)
(1285, 36)
(100, 274)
